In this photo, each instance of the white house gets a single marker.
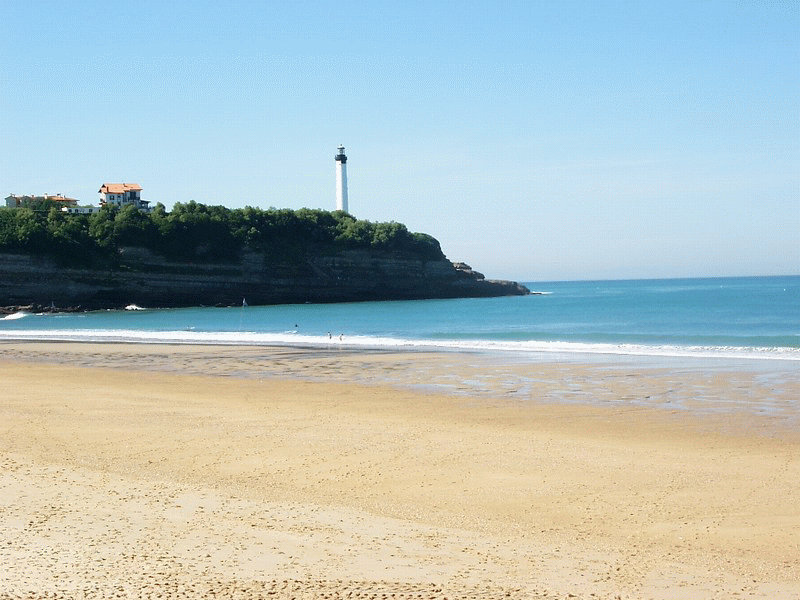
(80, 210)
(122, 194)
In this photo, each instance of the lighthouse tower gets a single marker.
(341, 180)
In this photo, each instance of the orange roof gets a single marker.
(25, 198)
(119, 188)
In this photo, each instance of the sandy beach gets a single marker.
(186, 472)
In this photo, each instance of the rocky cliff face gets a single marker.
(145, 279)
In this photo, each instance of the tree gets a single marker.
(389, 236)
(68, 237)
(194, 231)
(355, 233)
(132, 227)
(8, 229)
(31, 233)
(101, 228)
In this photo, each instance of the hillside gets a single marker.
(211, 255)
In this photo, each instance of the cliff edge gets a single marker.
(198, 255)
(147, 279)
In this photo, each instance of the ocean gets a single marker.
(748, 318)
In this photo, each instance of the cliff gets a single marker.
(147, 279)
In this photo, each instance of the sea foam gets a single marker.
(293, 338)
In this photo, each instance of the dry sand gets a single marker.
(183, 472)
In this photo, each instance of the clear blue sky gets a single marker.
(535, 140)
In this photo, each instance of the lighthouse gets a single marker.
(341, 180)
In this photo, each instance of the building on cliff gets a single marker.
(341, 179)
(81, 210)
(14, 201)
(122, 194)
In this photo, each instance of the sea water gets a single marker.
(744, 318)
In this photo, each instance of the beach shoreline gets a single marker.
(189, 470)
(766, 390)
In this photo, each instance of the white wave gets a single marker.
(15, 316)
(293, 338)
(134, 307)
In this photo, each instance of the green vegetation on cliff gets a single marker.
(196, 232)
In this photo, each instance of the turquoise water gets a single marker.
(750, 317)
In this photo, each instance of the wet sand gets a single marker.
(185, 471)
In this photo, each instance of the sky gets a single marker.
(537, 141)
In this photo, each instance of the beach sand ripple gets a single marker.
(166, 588)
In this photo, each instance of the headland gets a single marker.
(213, 256)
